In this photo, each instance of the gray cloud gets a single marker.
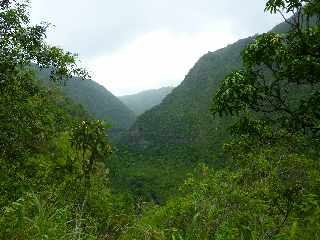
(133, 45)
(92, 27)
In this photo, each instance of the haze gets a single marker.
(130, 46)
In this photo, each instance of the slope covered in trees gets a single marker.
(175, 136)
(181, 132)
(101, 103)
(183, 118)
(96, 100)
(269, 187)
(143, 101)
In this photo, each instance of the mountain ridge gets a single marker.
(183, 119)
(96, 100)
(145, 100)
(184, 116)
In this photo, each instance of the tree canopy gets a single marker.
(280, 78)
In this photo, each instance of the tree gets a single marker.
(280, 75)
(22, 44)
(24, 122)
(30, 118)
(89, 140)
(277, 95)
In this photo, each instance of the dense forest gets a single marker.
(95, 99)
(231, 153)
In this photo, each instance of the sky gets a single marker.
(134, 45)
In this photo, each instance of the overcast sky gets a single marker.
(134, 45)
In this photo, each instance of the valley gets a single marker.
(229, 153)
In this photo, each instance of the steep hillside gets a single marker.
(143, 101)
(183, 119)
(171, 139)
(97, 100)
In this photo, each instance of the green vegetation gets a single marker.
(182, 119)
(181, 131)
(96, 100)
(143, 101)
(249, 169)
(53, 179)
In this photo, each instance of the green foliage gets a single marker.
(280, 75)
(30, 118)
(56, 215)
(44, 191)
(89, 140)
(101, 103)
(96, 100)
(148, 177)
(180, 132)
(267, 191)
(272, 162)
(21, 43)
(183, 119)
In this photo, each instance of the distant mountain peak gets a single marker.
(145, 100)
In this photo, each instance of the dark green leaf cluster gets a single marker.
(22, 44)
(279, 79)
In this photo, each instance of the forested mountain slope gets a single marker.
(97, 100)
(183, 119)
(143, 101)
